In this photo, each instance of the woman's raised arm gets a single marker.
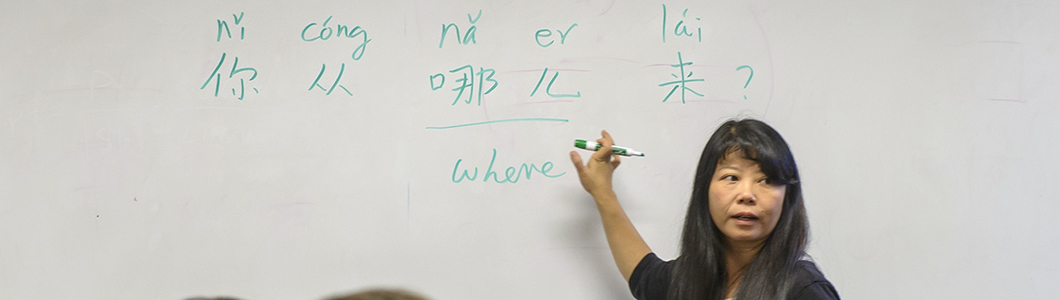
(627, 247)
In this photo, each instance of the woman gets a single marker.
(745, 233)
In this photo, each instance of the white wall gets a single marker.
(926, 133)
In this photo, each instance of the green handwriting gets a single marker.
(511, 174)
(499, 121)
(469, 35)
(544, 33)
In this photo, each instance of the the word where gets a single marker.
(511, 174)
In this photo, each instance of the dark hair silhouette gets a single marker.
(700, 270)
(380, 294)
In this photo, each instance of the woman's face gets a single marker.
(744, 203)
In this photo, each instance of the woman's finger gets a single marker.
(604, 153)
(577, 160)
(607, 136)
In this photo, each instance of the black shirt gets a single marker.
(651, 280)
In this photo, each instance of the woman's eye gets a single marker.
(729, 177)
(765, 180)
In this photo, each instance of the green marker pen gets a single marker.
(592, 146)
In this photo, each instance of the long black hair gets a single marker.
(700, 271)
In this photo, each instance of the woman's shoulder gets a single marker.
(810, 283)
(807, 271)
(651, 278)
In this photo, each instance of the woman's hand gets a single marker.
(596, 174)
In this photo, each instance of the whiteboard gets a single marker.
(163, 150)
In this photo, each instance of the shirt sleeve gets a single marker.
(651, 278)
(820, 290)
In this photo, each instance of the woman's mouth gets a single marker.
(745, 218)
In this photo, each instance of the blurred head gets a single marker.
(380, 294)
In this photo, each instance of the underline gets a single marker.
(500, 121)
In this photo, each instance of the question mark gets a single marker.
(748, 76)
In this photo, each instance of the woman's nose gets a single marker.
(746, 193)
